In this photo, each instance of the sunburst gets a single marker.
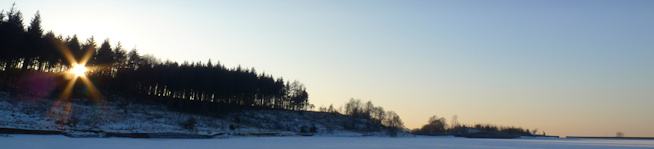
(78, 70)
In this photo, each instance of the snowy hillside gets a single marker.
(88, 118)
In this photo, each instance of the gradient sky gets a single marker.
(565, 67)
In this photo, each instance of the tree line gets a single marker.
(189, 86)
(376, 114)
(439, 126)
(435, 125)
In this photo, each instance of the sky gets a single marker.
(569, 67)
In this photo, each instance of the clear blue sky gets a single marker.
(566, 67)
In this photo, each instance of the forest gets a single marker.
(438, 126)
(34, 63)
(37, 65)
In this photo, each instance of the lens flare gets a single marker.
(61, 110)
(79, 70)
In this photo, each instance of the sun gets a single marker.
(78, 70)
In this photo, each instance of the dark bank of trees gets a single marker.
(438, 126)
(189, 86)
(367, 110)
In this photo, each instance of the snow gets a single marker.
(58, 141)
(85, 120)
(82, 117)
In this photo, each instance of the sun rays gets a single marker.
(78, 70)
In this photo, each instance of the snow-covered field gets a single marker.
(58, 141)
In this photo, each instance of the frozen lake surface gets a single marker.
(57, 141)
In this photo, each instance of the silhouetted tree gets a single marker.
(105, 54)
(455, 121)
(73, 45)
(534, 131)
(354, 108)
(331, 109)
(33, 48)
(12, 39)
(377, 114)
(88, 52)
(120, 57)
(393, 120)
(133, 59)
(435, 125)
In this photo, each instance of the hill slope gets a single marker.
(120, 117)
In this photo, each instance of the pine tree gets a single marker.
(88, 52)
(35, 29)
(34, 46)
(74, 48)
(15, 18)
(133, 59)
(105, 55)
(12, 35)
(120, 56)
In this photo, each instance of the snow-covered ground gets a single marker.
(58, 141)
(89, 118)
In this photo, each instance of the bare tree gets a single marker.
(331, 109)
(378, 114)
(435, 125)
(322, 109)
(455, 121)
(354, 107)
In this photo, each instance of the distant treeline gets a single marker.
(438, 126)
(189, 86)
(435, 125)
(369, 113)
(367, 110)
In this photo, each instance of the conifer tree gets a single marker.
(73, 45)
(105, 55)
(133, 59)
(35, 29)
(120, 56)
(34, 45)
